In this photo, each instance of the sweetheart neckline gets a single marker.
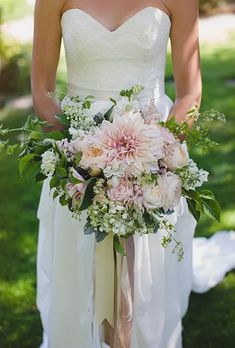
(122, 25)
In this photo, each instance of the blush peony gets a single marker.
(175, 156)
(165, 194)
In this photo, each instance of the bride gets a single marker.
(110, 46)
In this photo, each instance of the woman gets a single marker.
(111, 46)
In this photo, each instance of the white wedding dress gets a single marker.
(101, 63)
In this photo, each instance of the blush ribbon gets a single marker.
(114, 292)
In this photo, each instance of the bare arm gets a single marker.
(185, 56)
(45, 57)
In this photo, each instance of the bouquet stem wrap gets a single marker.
(114, 292)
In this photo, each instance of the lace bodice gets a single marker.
(103, 62)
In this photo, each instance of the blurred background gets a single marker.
(210, 322)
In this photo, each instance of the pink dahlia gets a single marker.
(129, 143)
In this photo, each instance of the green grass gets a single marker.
(210, 321)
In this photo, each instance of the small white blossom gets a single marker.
(125, 105)
(49, 161)
(192, 177)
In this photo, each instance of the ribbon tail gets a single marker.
(114, 292)
(104, 281)
(127, 295)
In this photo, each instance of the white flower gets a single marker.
(165, 194)
(125, 105)
(175, 156)
(151, 196)
(192, 177)
(74, 132)
(49, 161)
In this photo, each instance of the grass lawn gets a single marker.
(210, 322)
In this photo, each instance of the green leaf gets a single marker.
(62, 172)
(89, 97)
(55, 194)
(118, 245)
(54, 182)
(211, 208)
(32, 122)
(36, 135)
(64, 200)
(40, 177)
(87, 104)
(206, 194)
(33, 170)
(63, 183)
(88, 196)
(74, 180)
(26, 162)
(113, 100)
(210, 205)
(192, 207)
(156, 227)
(55, 135)
(77, 158)
(108, 113)
(195, 196)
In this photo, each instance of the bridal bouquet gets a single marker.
(125, 166)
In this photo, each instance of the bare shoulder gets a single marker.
(50, 8)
